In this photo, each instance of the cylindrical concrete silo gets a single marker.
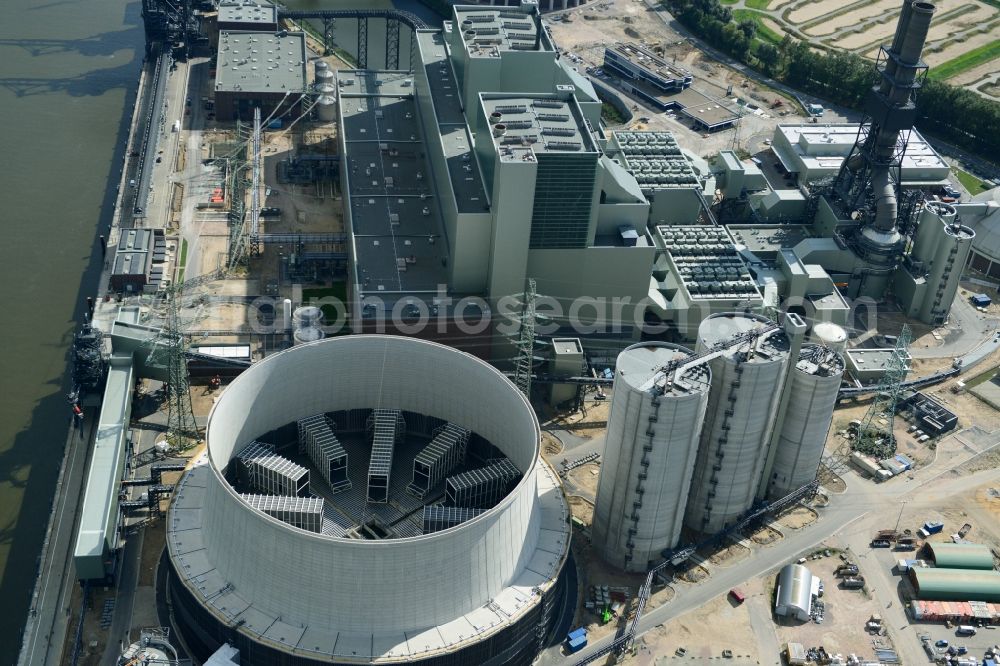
(812, 396)
(650, 449)
(747, 380)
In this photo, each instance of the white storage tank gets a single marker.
(308, 334)
(326, 102)
(650, 448)
(323, 73)
(307, 315)
(747, 381)
(828, 334)
(812, 397)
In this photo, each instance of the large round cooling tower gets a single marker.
(649, 454)
(286, 594)
(811, 399)
(746, 386)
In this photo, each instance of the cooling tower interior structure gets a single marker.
(812, 396)
(274, 547)
(652, 440)
(747, 382)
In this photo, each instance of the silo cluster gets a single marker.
(326, 93)
(695, 439)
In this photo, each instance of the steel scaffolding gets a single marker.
(481, 488)
(324, 449)
(303, 512)
(437, 517)
(273, 474)
(384, 427)
(443, 454)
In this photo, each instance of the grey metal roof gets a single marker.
(486, 32)
(97, 532)
(794, 593)
(463, 169)
(396, 225)
(523, 124)
(247, 11)
(261, 62)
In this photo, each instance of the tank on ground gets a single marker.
(653, 427)
(746, 386)
(802, 436)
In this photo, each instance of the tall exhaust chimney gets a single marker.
(868, 183)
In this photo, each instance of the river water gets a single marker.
(68, 76)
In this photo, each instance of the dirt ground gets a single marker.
(842, 630)
(797, 517)
(727, 556)
(698, 633)
(551, 445)
(765, 536)
(585, 479)
(581, 508)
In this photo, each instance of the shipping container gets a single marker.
(577, 644)
(933, 527)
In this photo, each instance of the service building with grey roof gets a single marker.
(259, 69)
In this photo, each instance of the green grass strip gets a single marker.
(966, 61)
(764, 33)
(970, 182)
(758, 4)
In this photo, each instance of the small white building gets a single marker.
(795, 589)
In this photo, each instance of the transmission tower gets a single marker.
(525, 342)
(875, 435)
(168, 351)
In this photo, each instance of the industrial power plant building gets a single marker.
(445, 547)
(696, 439)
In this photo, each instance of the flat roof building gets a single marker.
(259, 69)
(139, 260)
(814, 152)
(255, 15)
(632, 61)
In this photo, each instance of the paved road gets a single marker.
(45, 632)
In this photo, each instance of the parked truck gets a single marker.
(853, 583)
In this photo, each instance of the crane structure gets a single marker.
(874, 435)
(168, 351)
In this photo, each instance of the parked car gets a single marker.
(941, 643)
